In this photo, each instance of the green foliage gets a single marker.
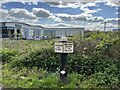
(24, 78)
(39, 78)
(51, 81)
(46, 59)
(7, 54)
(49, 61)
(89, 66)
(100, 80)
(26, 46)
(33, 64)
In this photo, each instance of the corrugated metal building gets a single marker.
(18, 29)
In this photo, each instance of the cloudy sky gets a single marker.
(90, 14)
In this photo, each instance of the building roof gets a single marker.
(24, 24)
(45, 27)
(64, 28)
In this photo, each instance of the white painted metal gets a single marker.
(64, 47)
(63, 39)
(68, 47)
(59, 47)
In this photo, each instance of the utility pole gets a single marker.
(105, 26)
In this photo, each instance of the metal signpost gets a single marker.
(63, 48)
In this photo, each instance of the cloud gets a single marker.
(54, 18)
(85, 3)
(67, 5)
(90, 5)
(52, 3)
(96, 19)
(21, 13)
(112, 20)
(116, 13)
(22, 1)
(111, 3)
(111, 26)
(112, 23)
(37, 13)
(100, 1)
(64, 16)
(78, 17)
(36, 1)
(32, 3)
(85, 9)
(114, 2)
(64, 1)
(40, 12)
(74, 4)
(61, 25)
(30, 21)
(3, 13)
(82, 17)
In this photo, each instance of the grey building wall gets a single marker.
(37, 31)
(64, 31)
(25, 32)
(49, 32)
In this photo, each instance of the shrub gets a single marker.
(45, 59)
(88, 66)
(100, 80)
(49, 61)
(7, 54)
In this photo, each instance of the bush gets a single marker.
(7, 54)
(101, 80)
(49, 61)
(89, 66)
(45, 59)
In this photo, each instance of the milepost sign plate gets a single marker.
(65, 47)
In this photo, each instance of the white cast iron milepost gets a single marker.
(63, 47)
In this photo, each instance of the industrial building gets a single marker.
(27, 31)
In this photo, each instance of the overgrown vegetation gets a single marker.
(34, 64)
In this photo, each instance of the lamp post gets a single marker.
(63, 47)
(105, 26)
